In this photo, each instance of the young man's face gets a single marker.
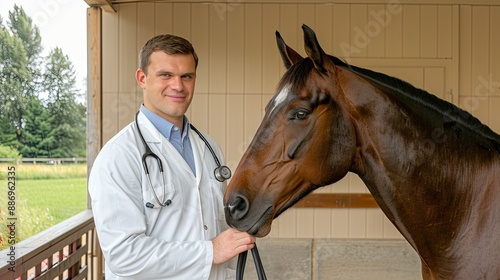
(168, 87)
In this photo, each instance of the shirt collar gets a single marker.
(165, 127)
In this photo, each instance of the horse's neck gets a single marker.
(421, 182)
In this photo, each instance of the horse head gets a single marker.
(305, 141)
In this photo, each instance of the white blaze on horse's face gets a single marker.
(280, 97)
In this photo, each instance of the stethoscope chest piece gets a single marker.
(222, 173)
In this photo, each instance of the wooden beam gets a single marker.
(106, 5)
(337, 200)
(94, 86)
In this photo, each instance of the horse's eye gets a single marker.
(301, 115)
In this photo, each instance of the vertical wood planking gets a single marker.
(342, 35)
(217, 50)
(110, 76)
(435, 81)
(378, 19)
(200, 39)
(182, 20)
(465, 51)
(127, 38)
(360, 39)
(163, 18)
(428, 31)
(271, 61)
(235, 86)
(236, 50)
(444, 32)
(411, 31)
(394, 32)
(252, 37)
(478, 103)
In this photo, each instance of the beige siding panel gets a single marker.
(253, 49)
(322, 223)
(411, 31)
(163, 18)
(127, 38)
(236, 50)
(480, 46)
(145, 24)
(435, 81)
(394, 32)
(340, 223)
(234, 130)
(288, 224)
(289, 26)
(357, 223)
(342, 35)
(199, 111)
(306, 15)
(378, 18)
(253, 114)
(271, 61)
(217, 118)
(305, 223)
(109, 115)
(182, 20)
(444, 31)
(494, 53)
(494, 122)
(360, 40)
(465, 50)
(217, 52)
(110, 52)
(200, 38)
(374, 223)
(323, 26)
(428, 31)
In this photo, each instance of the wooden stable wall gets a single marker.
(447, 47)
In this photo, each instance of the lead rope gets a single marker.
(242, 259)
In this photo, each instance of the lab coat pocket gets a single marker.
(160, 196)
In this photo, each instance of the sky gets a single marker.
(62, 23)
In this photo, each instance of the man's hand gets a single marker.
(230, 243)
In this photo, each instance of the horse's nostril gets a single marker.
(239, 208)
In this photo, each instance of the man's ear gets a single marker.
(140, 76)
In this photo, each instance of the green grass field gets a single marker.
(45, 195)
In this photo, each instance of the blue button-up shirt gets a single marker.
(170, 131)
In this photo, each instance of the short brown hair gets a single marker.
(168, 43)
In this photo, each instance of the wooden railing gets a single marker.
(68, 250)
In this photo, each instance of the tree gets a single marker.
(67, 115)
(37, 131)
(14, 78)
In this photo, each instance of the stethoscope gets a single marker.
(221, 172)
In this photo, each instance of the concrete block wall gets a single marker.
(339, 259)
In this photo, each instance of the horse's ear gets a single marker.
(289, 56)
(314, 50)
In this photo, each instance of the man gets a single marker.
(163, 225)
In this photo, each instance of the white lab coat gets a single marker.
(173, 242)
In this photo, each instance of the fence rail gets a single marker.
(44, 160)
(67, 250)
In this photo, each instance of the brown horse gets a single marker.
(433, 168)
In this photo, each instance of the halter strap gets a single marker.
(242, 258)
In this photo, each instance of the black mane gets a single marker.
(451, 115)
